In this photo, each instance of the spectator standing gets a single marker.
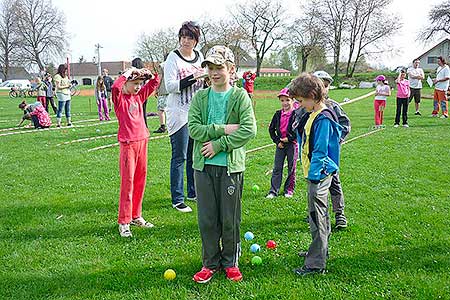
(415, 76)
(441, 84)
(108, 84)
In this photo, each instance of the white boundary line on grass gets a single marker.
(87, 139)
(345, 142)
(117, 144)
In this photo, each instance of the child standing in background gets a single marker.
(128, 96)
(382, 92)
(284, 137)
(101, 95)
(402, 99)
(41, 89)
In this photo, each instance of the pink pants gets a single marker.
(379, 106)
(133, 173)
(102, 103)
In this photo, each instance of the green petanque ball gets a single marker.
(255, 187)
(256, 260)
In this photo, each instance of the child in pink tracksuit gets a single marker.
(382, 92)
(402, 99)
(285, 138)
(101, 95)
(128, 97)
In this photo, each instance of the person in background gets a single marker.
(402, 99)
(415, 76)
(101, 95)
(249, 85)
(283, 135)
(382, 91)
(36, 112)
(49, 93)
(108, 84)
(62, 84)
(162, 102)
(441, 85)
(41, 89)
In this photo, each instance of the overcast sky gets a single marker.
(117, 27)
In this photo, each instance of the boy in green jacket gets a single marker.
(221, 121)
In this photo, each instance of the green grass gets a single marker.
(58, 211)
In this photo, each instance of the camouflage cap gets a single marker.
(218, 55)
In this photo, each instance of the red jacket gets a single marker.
(129, 110)
(249, 78)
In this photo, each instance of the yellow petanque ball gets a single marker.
(170, 274)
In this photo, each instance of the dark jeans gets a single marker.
(52, 103)
(402, 106)
(182, 146)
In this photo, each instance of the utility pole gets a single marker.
(99, 62)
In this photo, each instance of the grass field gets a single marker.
(58, 212)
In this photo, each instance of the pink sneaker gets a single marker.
(233, 274)
(204, 275)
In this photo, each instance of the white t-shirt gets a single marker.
(382, 89)
(178, 102)
(441, 73)
(413, 82)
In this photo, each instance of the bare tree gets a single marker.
(439, 21)
(8, 37)
(332, 16)
(262, 21)
(156, 46)
(228, 33)
(365, 17)
(306, 35)
(41, 28)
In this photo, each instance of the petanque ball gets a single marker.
(170, 274)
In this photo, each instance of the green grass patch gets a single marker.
(58, 214)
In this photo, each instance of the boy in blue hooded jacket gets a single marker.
(320, 152)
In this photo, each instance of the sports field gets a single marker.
(58, 214)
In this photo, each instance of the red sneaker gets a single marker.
(233, 273)
(204, 275)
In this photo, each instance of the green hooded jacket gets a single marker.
(239, 111)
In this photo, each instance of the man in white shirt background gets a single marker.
(441, 83)
(415, 76)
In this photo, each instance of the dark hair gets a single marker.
(190, 29)
(416, 59)
(22, 104)
(307, 86)
(137, 63)
(442, 59)
(62, 69)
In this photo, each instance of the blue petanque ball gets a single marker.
(255, 248)
(248, 236)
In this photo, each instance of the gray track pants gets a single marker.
(319, 223)
(219, 215)
(337, 196)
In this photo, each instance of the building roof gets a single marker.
(90, 69)
(16, 73)
(439, 44)
(273, 70)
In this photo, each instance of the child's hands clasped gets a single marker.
(208, 150)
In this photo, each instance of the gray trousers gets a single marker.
(290, 152)
(319, 223)
(219, 215)
(337, 195)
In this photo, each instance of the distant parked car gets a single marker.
(19, 83)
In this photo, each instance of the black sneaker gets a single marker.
(161, 129)
(305, 271)
(182, 207)
(418, 113)
(341, 221)
(303, 253)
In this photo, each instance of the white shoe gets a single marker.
(405, 125)
(182, 207)
(287, 195)
(124, 230)
(270, 196)
(444, 117)
(396, 125)
(140, 222)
